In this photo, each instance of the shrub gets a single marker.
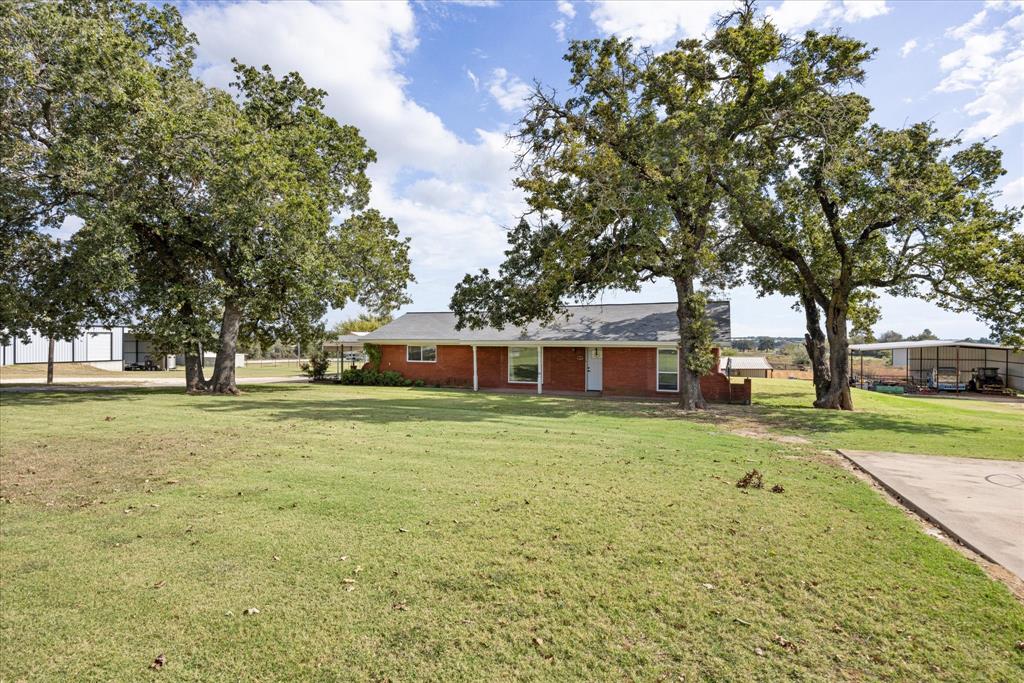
(371, 377)
(318, 365)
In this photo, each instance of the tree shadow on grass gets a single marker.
(403, 406)
(297, 402)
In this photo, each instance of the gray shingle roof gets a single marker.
(640, 323)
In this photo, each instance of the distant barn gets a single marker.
(747, 366)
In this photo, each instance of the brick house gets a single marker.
(604, 349)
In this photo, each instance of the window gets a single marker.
(522, 364)
(421, 354)
(668, 369)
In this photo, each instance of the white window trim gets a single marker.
(509, 363)
(658, 372)
(420, 347)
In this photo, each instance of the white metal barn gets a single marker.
(98, 346)
(923, 361)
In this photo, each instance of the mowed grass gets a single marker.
(397, 534)
(886, 422)
(13, 373)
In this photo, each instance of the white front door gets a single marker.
(594, 369)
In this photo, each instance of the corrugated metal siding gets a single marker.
(1015, 373)
(95, 344)
(1010, 365)
(117, 347)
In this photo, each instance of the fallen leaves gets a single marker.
(786, 644)
(778, 488)
(159, 662)
(400, 607)
(750, 480)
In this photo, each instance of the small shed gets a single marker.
(748, 366)
(948, 364)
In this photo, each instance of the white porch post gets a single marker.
(476, 380)
(540, 369)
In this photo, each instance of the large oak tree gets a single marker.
(622, 177)
(855, 208)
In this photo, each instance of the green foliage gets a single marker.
(222, 207)
(624, 178)
(318, 365)
(371, 377)
(364, 322)
(373, 353)
(901, 211)
(75, 78)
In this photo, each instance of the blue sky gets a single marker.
(434, 87)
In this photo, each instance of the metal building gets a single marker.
(98, 346)
(949, 364)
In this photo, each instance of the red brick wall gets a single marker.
(627, 371)
(633, 372)
(564, 368)
(454, 366)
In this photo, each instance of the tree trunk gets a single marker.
(49, 361)
(837, 396)
(194, 381)
(687, 312)
(223, 381)
(814, 342)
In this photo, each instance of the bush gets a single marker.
(375, 378)
(318, 365)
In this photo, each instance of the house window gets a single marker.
(421, 354)
(522, 364)
(668, 369)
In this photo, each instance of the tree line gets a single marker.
(218, 219)
(747, 155)
(208, 219)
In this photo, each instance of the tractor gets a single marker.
(987, 381)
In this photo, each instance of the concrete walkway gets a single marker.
(978, 502)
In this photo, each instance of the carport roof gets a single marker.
(748, 363)
(598, 323)
(926, 344)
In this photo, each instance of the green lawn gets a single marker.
(929, 425)
(398, 534)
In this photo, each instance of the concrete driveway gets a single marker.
(978, 502)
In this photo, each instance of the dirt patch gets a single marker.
(762, 433)
(56, 476)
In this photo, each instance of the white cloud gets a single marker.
(795, 14)
(857, 10)
(908, 47)
(508, 90)
(473, 79)
(1013, 193)
(355, 52)
(792, 15)
(559, 26)
(568, 12)
(652, 23)
(989, 63)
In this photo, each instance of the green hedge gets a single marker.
(371, 377)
